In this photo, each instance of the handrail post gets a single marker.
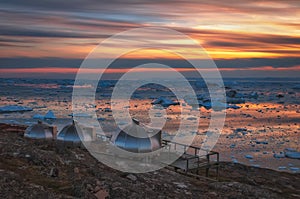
(187, 165)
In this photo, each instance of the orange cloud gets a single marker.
(226, 29)
(138, 70)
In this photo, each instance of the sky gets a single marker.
(247, 38)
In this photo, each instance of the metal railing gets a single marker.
(191, 155)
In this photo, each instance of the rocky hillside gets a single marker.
(44, 169)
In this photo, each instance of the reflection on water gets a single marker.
(260, 129)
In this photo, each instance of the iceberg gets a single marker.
(50, 115)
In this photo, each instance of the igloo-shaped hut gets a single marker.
(72, 134)
(139, 139)
(40, 131)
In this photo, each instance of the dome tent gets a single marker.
(140, 139)
(40, 131)
(72, 133)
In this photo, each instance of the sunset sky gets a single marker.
(247, 38)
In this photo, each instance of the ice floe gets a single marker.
(249, 156)
(38, 116)
(293, 155)
(233, 106)
(296, 87)
(233, 97)
(80, 115)
(279, 155)
(261, 142)
(281, 168)
(165, 102)
(294, 169)
(14, 108)
(107, 110)
(253, 95)
(231, 100)
(216, 105)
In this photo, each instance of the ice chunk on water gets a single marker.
(38, 116)
(293, 155)
(261, 142)
(279, 155)
(295, 169)
(80, 115)
(231, 100)
(233, 106)
(290, 150)
(296, 87)
(282, 168)
(165, 102)
(249, 156)
(253, 95)
(14, 108)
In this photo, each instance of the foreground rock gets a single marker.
(44, 169)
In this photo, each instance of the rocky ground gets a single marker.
(45, 169)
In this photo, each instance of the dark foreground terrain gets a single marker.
(44, 169)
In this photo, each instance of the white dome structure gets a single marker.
(72, 134)
(40, 131)
(140, 139)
